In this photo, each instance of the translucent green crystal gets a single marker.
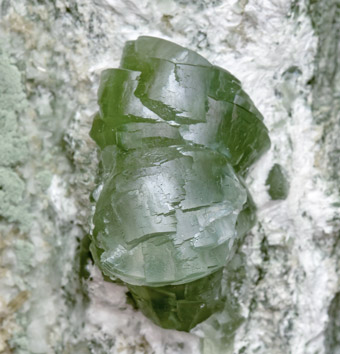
(277, 182)
(176, 134)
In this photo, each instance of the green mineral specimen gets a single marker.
(176, 134)
(277, 182)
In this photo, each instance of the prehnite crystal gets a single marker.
(277, 183)
(177, 135)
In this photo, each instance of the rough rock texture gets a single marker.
(326, 112)
(52, 52)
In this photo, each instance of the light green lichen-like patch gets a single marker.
(13, 148)
(25, 251)
(13, 145)
(12, 208)
(44, 179)
(12, 96)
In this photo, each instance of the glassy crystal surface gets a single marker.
(176, 136)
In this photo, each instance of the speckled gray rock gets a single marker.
(288, 301)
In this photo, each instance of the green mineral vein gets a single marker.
(176, 135)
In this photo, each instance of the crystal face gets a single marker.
(177, 135)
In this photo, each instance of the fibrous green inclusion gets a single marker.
(177, 135)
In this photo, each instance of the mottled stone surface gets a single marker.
(55, 52)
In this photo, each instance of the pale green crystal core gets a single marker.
(176, 134)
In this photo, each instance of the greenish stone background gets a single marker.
(51, 54)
